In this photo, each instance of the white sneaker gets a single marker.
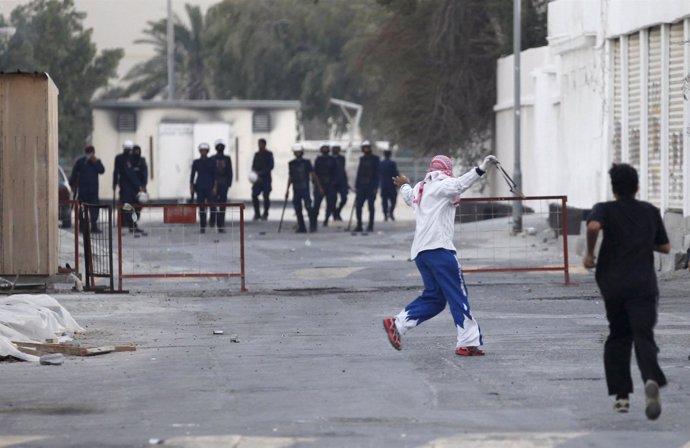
(621, 405)
(653, 408)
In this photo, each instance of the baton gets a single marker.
(282, 215)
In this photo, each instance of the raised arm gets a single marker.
(593, 229)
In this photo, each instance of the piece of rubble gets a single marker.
(52, 359)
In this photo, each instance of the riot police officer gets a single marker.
(120, 165)
(340, 184)
(222, 181)
(201, 182)
(389, 194)
(300, 171)
(133, 182)
(366, 185)
(324, 170)
(262, 165)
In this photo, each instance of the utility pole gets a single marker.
(517, 171)
(171, 53)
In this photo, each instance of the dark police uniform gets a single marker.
(202, 179)
(222, 178)
(119, 169)
(84, 179)
(300, 172)
(325, 170)
(262, 165)
(340, 185)
(389, 193)
(366, 183)
(132, 181)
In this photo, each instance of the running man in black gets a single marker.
(633, 230)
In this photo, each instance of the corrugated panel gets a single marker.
(654, 117)
(617, 99)
(675, 118)
(634, 100)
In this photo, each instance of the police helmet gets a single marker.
(297, 147)
(128, 144)
(219, 142)
(204, 147)
(142, 197)
(253, 177)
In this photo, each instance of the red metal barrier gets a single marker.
(528, 253)
(161, 228)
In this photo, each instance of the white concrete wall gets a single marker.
(563, 110)
(108, 142)
(538, 125)
(626, 16)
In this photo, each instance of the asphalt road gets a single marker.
(313, 368)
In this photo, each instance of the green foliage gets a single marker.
(439, 59)
(292, 49)
(423, 69)
(150, 79)
(50, 38)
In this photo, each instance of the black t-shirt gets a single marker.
(626, 259)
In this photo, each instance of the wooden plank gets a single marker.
(34, 347)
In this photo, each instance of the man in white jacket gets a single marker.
(434, 200)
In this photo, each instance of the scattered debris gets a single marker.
(32, 326)
(217, 331)
(234, 338)
(53, 359)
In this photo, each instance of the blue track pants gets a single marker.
(443, 283)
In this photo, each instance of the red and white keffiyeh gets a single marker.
(441, 167)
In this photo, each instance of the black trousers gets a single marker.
(631, 323)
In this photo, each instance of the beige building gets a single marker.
(169, 134)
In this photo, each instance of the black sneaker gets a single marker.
(653, 407)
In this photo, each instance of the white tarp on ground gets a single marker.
(32, 318)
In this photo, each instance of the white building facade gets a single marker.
(169, 133)
(607, 88)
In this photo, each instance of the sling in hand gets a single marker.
(511, 183)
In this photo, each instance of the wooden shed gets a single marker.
(28, 174)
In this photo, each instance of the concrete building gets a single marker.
(170, 132)
(607, 88)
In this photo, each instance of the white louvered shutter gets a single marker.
(634, 101)
(654, 117)
(675, 115)
(617, 101)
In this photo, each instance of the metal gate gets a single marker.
(96, 222)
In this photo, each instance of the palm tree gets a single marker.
(149, 79)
